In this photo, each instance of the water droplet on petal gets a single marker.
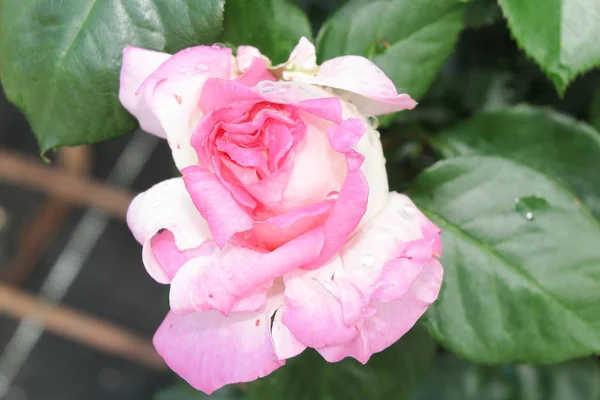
(266, 86)
(281, 90)
(373, 121)
(368, 260)
(333, 195)
(218, 46)
(202, 68)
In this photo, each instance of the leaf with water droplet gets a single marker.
(528, 205)
(555, 144)
(507, 283)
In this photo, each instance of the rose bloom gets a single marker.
(281, 233)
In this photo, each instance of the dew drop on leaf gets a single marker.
(528, 205)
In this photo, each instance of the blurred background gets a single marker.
(68, 259)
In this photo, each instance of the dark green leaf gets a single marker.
(454, 379)
(274, 26)
(517, 287)
(573, 380)
(595, 111)
(563, 149)
(409, 40)
(60, 62)
(560, 35)
(390, 375)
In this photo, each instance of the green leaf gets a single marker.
(409, 40)
(454, 379)
(273, 26)
(573, 380)
(517, 288)
(185, 392)
(560, 35)
(563, 149)
(389, 375)
(60, 62)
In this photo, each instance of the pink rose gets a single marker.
(282, 233)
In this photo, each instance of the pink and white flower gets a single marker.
(281, 233)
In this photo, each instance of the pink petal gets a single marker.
(385, 263)
(363, 83)
(245, 57)
(216, 204)
(219, 93)
(328, 108)
(185, 288)
(347, 212)
(314, 316)
(285, 343)
(174, 89)
(138, 64)
(275, 231)
(210, 351)
(318, 171)
(256, 72)
(391, 320)
(345, 136)
(218, 282)
(244, 156)
(166, 255)
(166, 205)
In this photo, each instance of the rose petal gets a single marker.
(390, 321)
(173, 92)
(345, 136)
(219, 281)
(285, 343)
(166, 205)
(219, 94)
(210, 351)
(164, 254)
(256, 72)
(138, 64)
(303, 57)
(347, 211)
(362, 83)
(245, 56)
(216, 204)
(388, 262)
